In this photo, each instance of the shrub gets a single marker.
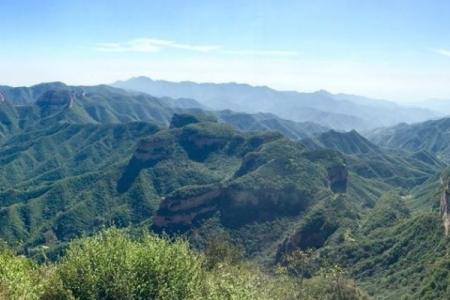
(220, 250)
(19, 277)
(111, 265)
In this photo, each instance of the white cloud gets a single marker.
(196, 48)
(148, 45)
(273, 53)
(444, 52)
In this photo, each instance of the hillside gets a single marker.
(270, 122)
(430, 136)
(206, 165)
(398, 168)
(57, 179)
(399, 247)
(53, 102)
(75, 160)
(340, 111)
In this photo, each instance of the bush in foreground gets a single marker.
(112, 265)
(19, 277)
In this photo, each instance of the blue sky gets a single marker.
(391, 49)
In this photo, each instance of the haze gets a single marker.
(396, 50)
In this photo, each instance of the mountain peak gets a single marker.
(323, 92)
(52, 84)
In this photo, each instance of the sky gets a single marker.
(391, 49)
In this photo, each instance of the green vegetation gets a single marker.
(397, 168)
(260, 216)
(113, 265)
(19, 277)
(427, 137)
(395, 252)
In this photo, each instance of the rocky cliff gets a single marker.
(272, 177)
(445, 204)
(186, 208)
(337, 178)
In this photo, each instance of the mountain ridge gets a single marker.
(339, 111)
(74, 160)
(431, 136)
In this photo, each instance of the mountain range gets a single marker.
(76, 159)
(337, 111)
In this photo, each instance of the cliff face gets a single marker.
(259, 195)
(180, 120)
(186, 208)
(271, 177)
(149, 152)
(244, 204)
(312, 234)
(236, 205)
(445, 205)
(337, 178)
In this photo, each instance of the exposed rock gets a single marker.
(153, 149)
(180, 120)
(186, 208)
(445, 204)
(312, 234)
(199, 145)
(275, 179)
(337, 178)
(240, 205)
(149, 152)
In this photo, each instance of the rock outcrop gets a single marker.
(186, 208)
(337, 178)
(243, 204)
(312, 234)
(272, 177)
(236, 206)
(180, 120)
(149, 152)
(445, 205)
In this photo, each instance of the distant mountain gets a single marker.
(269, 122)
(440, 105)
(28, 95)
(104, 105)
(56, 102)
(341, 111)
(431, 136)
